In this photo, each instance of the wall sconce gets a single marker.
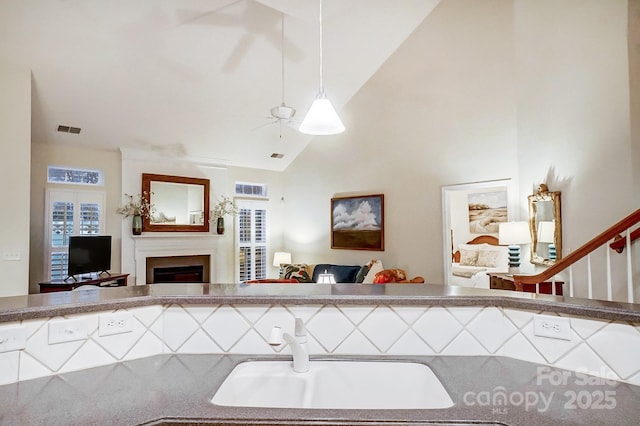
(281, 258)
(326, 278)
(513, 234)
(547, 234)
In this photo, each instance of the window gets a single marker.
(75, 176)
(69, 213)
(251, 223)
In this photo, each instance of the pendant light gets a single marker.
(322, 118)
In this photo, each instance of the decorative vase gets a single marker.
(136, 225)
(220, 225)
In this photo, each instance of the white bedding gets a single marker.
(469, 275)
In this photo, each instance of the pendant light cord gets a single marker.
(282, 47)
(321, 84)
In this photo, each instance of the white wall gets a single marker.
(634, 84)
(15, 137)
(573, 109)
(480, 91)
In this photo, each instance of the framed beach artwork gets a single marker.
(357, 223)
(473, 209)
(486, 211)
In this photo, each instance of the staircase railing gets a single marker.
(617, 237)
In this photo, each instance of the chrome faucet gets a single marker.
(298, 345)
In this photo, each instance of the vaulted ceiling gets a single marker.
(195, 78)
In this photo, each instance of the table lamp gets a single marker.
(546, 234)
(281, 258)
(513, 234)
(326, 278)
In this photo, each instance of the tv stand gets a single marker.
(111, 280)
(86, 277)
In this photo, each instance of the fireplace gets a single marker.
(178, 274)
(178, 269)
(167, 250)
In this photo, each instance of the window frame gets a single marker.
(77, 197)
(253, 205)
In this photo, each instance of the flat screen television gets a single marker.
(88, 254)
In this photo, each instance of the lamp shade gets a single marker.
(326, 278)
(281, 258)
(322, 118)
(513, 233)
(546, 232)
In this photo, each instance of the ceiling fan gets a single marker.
(281, 113)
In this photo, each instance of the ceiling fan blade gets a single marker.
(238, 53)
(186, 16)
(264, 125)
(291, 51)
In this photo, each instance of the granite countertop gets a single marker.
(176, 389)
(69, 302)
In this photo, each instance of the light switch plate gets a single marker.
(13, 338)
(68, 330)
(11, 255)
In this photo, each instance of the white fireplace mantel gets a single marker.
(172, 244)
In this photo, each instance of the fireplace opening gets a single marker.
(178, 274)
(178, 269)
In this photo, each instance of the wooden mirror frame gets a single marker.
(543, 194)
(147, 226)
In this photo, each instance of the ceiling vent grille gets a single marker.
(69, 129)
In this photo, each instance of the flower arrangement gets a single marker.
(138, 206)
(223, 207)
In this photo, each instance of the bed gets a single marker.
(475, 259)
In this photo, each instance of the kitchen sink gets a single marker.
(333, 384)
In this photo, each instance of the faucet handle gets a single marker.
(275, 337)
(300, 329)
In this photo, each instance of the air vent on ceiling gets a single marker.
(69, 129)
(276, 155)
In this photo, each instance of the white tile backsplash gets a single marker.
(618, 344)
(10, 362)
(437, 327)
(598, 347)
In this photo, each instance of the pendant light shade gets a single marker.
(322, 119)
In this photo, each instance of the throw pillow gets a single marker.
(468, 257)
(375, 266)
(298, 271)
(487, 258)
(390, 276)
(362, 273)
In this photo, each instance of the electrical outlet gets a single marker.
(552, 326)
(13, 338)
(115, 323)
(67, 330)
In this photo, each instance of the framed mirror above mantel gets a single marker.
(181, 203)
(545, 225)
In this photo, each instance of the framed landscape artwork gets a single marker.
(357, 223)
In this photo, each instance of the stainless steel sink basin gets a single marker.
(333, 384)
